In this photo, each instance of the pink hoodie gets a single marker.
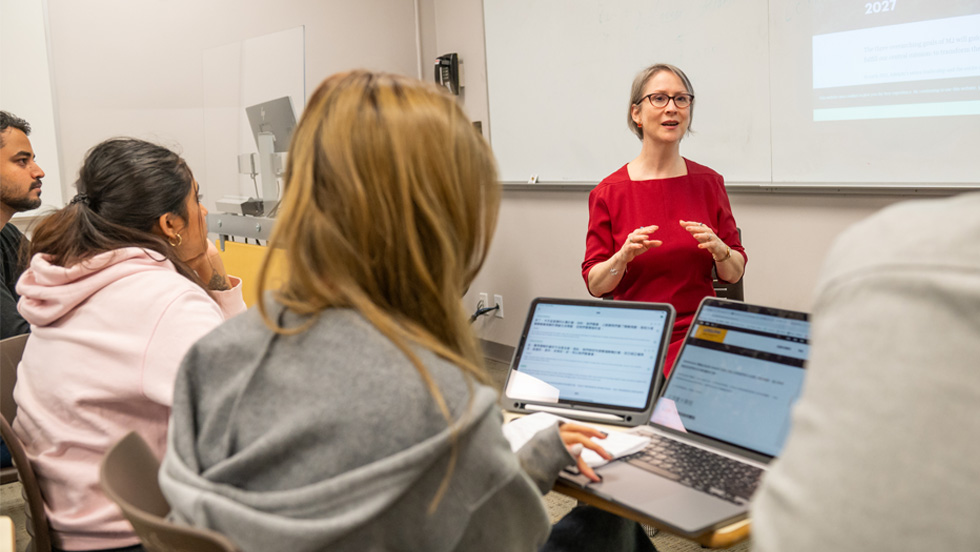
(107, 338)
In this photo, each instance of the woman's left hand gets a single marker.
(576, 434)
(210, 268)
(707, 239)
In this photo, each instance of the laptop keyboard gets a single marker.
(699, 469)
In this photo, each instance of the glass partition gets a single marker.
(254, 91)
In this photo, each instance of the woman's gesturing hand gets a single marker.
(638, 242)
(707, 239)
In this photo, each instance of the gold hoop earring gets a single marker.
(180, 240)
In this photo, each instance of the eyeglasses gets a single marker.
(658, 100)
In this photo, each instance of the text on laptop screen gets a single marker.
(739, 374)
(598, 355)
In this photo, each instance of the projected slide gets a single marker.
(895, 58)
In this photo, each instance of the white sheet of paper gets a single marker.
(665, 414)
(618, 443)
(529, 388)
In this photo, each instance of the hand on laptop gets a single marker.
(575, 434)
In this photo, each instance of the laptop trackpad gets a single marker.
(681, 507)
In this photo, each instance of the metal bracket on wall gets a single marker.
(227, 225)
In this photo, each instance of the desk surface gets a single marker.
(724, 537)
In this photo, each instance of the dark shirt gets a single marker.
(11, 267)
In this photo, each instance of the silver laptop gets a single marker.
(589, 359)
(722, 416)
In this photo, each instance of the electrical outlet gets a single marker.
(483, 301)
(498, 301)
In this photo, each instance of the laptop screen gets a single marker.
(739, 373)
(601, 353)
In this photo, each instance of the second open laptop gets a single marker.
(590, 359)
(722, 416)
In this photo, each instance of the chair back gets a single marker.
(129, 478)
(11, 349)
(37, 519)
(724, 289)
(727, 291)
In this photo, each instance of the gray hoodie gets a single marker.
(328, 440)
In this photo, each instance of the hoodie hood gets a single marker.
(49, 292)
(328, 513)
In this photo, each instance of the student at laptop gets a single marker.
(351, 411)
(883, 451)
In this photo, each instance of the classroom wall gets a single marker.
(540, 240)
(26, 91)
(136, 68)
(125, 67)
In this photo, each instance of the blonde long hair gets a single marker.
(389, 205)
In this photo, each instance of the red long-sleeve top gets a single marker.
(677, 272)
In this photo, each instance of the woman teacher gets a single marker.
(659, 224)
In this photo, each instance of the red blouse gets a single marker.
(677, 272)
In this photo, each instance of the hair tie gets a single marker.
(80, 198)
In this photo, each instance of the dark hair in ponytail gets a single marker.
(124, 186)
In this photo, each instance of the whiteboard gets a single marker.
(559, 76)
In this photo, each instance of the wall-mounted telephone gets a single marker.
(447, 72)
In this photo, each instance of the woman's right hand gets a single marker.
(605, 276)
(638, 242)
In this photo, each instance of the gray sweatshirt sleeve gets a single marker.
(543, 457)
